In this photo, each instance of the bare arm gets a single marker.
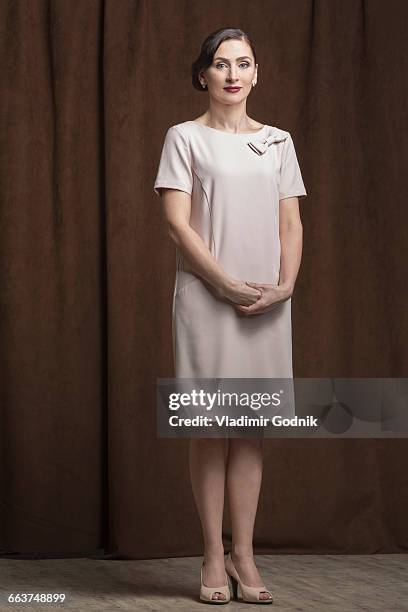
(291, 236)
(177, 210)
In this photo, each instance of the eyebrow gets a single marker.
(238, 58)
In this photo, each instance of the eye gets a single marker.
(246, 64)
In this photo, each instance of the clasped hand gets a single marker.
(265, 298)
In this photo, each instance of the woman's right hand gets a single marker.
(238, 292)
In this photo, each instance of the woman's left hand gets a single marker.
(272, 295)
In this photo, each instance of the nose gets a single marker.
(232, 76)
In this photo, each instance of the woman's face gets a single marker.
(233, 65)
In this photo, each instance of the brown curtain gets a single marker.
(86, 268)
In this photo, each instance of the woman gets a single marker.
(230, 188)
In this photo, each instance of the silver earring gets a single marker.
(253, 84)
(203, 85)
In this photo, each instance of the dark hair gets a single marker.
(209, 47)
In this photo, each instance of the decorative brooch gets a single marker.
(260, 146)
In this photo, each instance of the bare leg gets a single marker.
(244, 477)
(207, 461)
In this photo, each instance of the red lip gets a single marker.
(232, 88)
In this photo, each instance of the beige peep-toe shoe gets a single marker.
(242, 591)
(206, 592)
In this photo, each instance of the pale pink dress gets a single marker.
(236, 181)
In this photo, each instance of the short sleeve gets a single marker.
(291, 182)
(175, 163)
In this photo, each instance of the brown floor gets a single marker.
(299, 582)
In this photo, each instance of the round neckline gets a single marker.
(230, 133)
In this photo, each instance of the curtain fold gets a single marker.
(52, 271)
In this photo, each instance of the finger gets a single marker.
(248, 309)
(259, 289)
(240, 312)
(250, 313)
(241, 308)
(251, 284)
(254, 284)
